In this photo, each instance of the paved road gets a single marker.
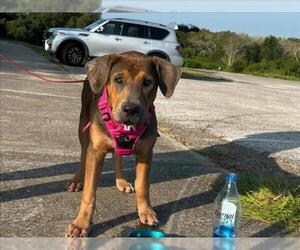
(40, 151)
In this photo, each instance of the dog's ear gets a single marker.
(98, 70)
(168, 75)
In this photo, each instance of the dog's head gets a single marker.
(132, 80)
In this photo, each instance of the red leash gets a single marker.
(27, 72)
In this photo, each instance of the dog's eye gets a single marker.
(147, 83)
(119, 79)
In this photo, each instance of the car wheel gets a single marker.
(73, 54)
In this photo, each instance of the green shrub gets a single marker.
(239, 66)
(259, 67)
(203, 62)
(292, 69)
(192, 63)
(32, 27)
(2, 27)
(271, 49)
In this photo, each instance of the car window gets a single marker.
(94, 24)
(111, 28)
(134, 30)
(157, 33)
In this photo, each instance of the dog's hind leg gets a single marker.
(76, 184)
(122, 184)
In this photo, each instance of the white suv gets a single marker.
(117, 35)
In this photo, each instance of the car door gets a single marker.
(105, 39)
(134, 37)
(157, 35)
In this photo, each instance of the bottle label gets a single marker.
(228, 213)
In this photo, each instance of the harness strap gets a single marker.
(124, 137)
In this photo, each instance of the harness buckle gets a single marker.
(124, 142)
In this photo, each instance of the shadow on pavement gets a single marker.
(162, 171)
(203, 77)
(164, 211)
(234, 156)
(54, 170)
(242, 155)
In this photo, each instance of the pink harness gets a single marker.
(124, 137)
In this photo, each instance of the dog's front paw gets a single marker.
(148, 216)
(77, 230)
(74, 186)
(124, 186)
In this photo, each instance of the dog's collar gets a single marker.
(124, 137)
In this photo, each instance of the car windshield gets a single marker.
(93, 25)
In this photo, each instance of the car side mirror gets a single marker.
(100, 29)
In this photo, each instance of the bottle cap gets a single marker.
(231, 177)
(147, 233)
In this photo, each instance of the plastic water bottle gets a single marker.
(227, 210)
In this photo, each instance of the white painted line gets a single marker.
(38, 93)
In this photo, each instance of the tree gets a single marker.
(49, 6)
(291, 47)
(232, 46)
(200, 45)
(271, 48)
(252, 52)
(206, 48)
(32, 27)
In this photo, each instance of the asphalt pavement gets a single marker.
(40, 150)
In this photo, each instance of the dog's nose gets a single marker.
(131, 108)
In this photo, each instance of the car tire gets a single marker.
(72, 54)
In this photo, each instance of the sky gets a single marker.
(278, 24)
(280, 18)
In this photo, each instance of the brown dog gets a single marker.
(132, 78)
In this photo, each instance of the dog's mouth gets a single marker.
(129, 123)
(133, 120)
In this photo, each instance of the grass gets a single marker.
(272, 200)
(189, 73)
(273, 75)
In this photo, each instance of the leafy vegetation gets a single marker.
(51, 6)
(32, 27)
(240, 53)
(271, 200)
